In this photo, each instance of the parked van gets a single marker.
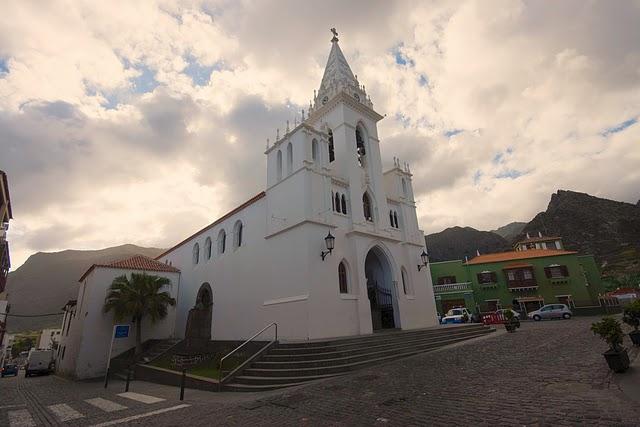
(39, 362)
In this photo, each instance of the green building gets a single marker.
(524, 279)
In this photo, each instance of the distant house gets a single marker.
(625, 295)
(48, 339)
(524, 279)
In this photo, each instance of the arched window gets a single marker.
(360, 146)
(404, 187)
(343, 280)
(314, 150)
(366, 207)
(391, 218)
(333, 202)
(405, 282)
(332, 154)
(289, 159)
(207, 247)
(237, 234)
(344, 204)
(222, 241)
(196, 253)
(279, 156)
(337, 202)
(395, 219)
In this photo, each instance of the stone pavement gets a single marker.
(547, 373)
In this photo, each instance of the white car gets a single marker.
(456, 315)
(551, 311)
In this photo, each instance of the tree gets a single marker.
(137, 298)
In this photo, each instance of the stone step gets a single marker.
(301, 364)
(284, 376)
(258, 387)
(331, 353)
(378, 336)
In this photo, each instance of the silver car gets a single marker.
(551, 311)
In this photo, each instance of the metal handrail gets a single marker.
(221, 379)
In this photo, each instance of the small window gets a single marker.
(395, 219)
(404, 187)
(344, 204)
(487, 277)
(314, 150)
(222, 242)
(360, 148)
(446, 280)
(333, 202)
(391, 218)
(337, 202)
(556, 271)
(289, 159)
(342, 278)
(237, 234)
(405, 282)
(527, 274)
(207, 247)
(366, 207)
(511, 275)
(279, 160)
(332, 155)
(196, 253)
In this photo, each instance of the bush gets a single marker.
(610, 331)
(631, 314)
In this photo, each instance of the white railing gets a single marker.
(451, 287)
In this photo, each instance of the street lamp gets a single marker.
(424, 257)
(329, 241)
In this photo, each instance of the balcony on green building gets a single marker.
(451, 287)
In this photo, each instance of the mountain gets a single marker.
(458, 242)
(608, 229)
(46, 281)
(510, 231)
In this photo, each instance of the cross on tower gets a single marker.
(335, 35)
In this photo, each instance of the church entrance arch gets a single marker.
(380, 289)
(198, 331)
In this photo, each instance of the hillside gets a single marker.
(608, 229)
(510, 231)
(458, 242)
(47, 280)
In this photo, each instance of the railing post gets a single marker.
(106, 379)
(126, 388)
(182, 382)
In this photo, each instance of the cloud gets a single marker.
(141, 122)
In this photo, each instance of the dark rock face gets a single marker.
(458, 242)
(510, 231)
(608, 229)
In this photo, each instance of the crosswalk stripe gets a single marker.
(139, 416)
(144, 398)
(105, 405)
(21, 418)
(65, 412)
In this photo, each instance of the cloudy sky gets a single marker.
(140, 122)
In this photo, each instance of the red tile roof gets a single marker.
(216, 222)
(624, 291)
(137, 262)
(515, 255)
(517, 265)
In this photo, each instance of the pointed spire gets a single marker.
(278, 134)
(337, 73)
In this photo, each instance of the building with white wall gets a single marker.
(267, 260)
(262, 261)
(48, 339)
(86, 330)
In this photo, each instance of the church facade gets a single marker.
(267, 260)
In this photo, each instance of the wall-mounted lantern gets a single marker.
(424, 257)
(329, 241)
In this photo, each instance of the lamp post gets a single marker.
(424, 257)
(329, 241)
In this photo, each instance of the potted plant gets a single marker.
(632, 318)
(510, 323)
(610, 331)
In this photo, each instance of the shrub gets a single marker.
(632, 314)
(610, 331)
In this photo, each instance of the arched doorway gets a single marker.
(379, 275)
(198, 331)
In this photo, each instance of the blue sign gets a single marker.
(122, 331)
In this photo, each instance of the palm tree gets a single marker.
(138, 297)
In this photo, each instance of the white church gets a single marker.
(330, 248)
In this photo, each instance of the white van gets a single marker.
(39, 362)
